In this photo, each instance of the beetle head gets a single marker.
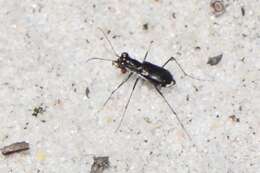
(122, 61)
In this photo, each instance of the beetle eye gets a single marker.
(124, 55)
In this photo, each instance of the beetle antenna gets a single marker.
(101, 59)
(110, 43)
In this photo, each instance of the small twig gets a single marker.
(15, 147)
(100, 164)
(215, 60)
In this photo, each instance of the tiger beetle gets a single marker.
(156, 75)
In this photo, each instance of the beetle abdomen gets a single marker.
(157, 75)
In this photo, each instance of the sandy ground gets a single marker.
(44, 46)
